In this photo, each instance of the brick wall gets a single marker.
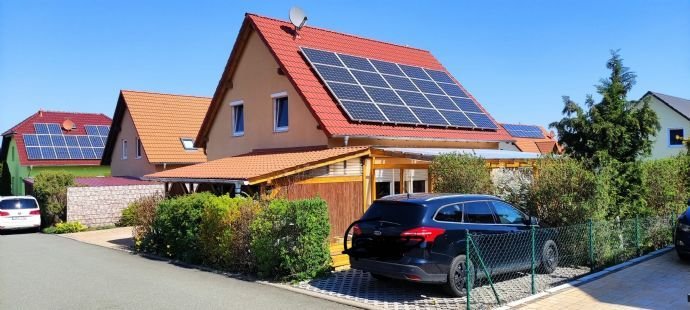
(100, 206)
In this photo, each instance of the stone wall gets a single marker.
(103, 205)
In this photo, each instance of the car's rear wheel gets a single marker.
(457, 277)
(549, 257)
(379, 277)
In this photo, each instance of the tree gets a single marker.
(614, 128)
(459, 173)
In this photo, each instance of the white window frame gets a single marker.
(182, 140)
(275, 98)
(244, 112)
(124, 149)
(668, 141)
(139, 149)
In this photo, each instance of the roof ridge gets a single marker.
(658, 93)
(159, 93)
(69, 112)
(341, 33)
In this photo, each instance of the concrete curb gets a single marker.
(334, 299)
(588, 278)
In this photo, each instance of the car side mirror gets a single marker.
(533, 220)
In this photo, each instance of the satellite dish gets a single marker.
(297, 17)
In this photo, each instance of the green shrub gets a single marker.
(224, 234)
(564, 192)
(69, 227)
(458, 173)
(50, 189)
(144, 213)
(128, 216)
(290, 239)
(665, 185)
(512, 185)
(49, 230)
(175, 228)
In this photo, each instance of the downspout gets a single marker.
(165, 166)
(346, 140)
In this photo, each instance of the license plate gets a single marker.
(18, 218)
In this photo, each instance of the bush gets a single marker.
(458, 173)
(665, 185)
(224, 235)
(564, 192)
(174, 231)
(129, 216)
(144, 213)
(290, 239)
(65, 228)
(50, 189)
(512, 185)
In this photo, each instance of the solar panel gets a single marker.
(75, 153)
(44, 140)
(91, 130)
(371, 90)
(41, 128)
(355, 62)
(61, 153)
(71, 141)
(96, 141)
(398, 114)
(524, 131)
(84, 141)
(104, 130)
(58, 140)
(54, 129)
(99, 152)
(363, 111)
(30, 140)
(34, 152)
(48, 153)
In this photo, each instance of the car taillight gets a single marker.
(428, 233)
(356, 231)
(35, 212)
(3, 213)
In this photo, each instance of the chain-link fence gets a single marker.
(509, 266)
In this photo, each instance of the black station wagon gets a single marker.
(421, 238)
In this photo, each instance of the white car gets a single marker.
(19, 212)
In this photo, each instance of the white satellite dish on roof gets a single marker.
(298, 18)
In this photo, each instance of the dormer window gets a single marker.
(188, 144)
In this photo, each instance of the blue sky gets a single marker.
(517, 57)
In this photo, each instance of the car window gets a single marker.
(405, 214)
(506, 214)
(21, 203)
(478, 212)
(450, 214)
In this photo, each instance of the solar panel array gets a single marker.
(524, 131)
(371, 90)
(50, 143)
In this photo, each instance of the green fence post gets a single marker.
(468, 239)
(637, 235)
(534, 245)
(591, 244)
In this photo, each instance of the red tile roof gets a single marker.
(79, 119)
(111, 181)
(546, 145)
(279, 38)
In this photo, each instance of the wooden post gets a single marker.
(366, 185)
(402, 181)
(373, 179)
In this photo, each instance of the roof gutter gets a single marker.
(192, 180)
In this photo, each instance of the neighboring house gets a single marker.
(51, 141)
(674, 118)
(531, 138)
(153, 132)
(343, 117)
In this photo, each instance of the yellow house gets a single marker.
(317, 112)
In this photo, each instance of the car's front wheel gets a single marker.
(457, 283)
(549, 257)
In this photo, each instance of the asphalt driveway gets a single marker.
(40, 271)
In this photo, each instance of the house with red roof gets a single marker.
(49, 141)
(309, 111)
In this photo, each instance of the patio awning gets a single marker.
(431, 153)
(254, 168)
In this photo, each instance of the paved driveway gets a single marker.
(40, 271)
(660, 283)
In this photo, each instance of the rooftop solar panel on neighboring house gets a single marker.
(371, 90)
(524, 131)
(49, 142)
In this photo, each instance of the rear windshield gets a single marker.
(405, 214)
(21, 203)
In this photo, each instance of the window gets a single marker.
(419, 186)
(478, 212)
(675, 137)
(138, 148)
(237, 118)
(450, 214)
(188, 144)
(506, 214)
(124, 149)
(280, 112)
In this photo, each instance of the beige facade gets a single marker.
(255, 80)
(668, 119)
(132, 165)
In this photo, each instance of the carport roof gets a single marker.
(430, 153)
